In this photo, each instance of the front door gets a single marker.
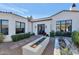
(41, 28)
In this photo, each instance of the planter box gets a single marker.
(38, 50)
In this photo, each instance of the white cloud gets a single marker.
(14, 9)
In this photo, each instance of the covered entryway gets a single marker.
(41, 28)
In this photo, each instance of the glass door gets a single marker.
(41, 28)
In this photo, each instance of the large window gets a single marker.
(20, 27)
(64, 25)
(4, 26)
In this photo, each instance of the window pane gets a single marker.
(17, 24)
(68, 27)
(5, 27)
(58, 22)
(0, 26)
(20, 27)
(58, 27)
(18, 30)
(63, 22)
(68, 21)
(63, 27)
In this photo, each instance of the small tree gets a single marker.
(1, 37)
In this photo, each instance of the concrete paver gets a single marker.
(14, 48)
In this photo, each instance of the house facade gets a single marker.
(44, 24)
(11, 24)
(65, 20)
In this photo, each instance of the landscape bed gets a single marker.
(62, 47)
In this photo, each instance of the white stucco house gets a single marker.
(65, 20)
(10, 24)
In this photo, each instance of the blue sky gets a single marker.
(37, 10)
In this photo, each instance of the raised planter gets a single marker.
(36, 47)
(62, 47)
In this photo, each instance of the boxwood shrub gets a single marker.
(52, 34)
(66, 34)
(75, 37)
(32, 34)
(18, 37)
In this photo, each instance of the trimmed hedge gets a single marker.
(52, 34)
(32, 34)
(58, 33)
(18, 37)
(66, 34)
(75, 37)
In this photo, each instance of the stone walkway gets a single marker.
(50, 48)
(14, 48)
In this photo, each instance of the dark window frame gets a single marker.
(66, 22)
(20, 27)
(1, 20)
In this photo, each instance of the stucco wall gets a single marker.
(74, 16)
(30, 27)
(11, 25)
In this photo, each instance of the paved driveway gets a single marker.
(14, 48)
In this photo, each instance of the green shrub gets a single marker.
(52, 34)
(58, 33)
(1, 37)
(75, 37)
(32, 34)
(18, 37)
(66, 34)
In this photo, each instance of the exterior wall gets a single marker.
(30, 27)
(47, 26)
(74, 16)
(11, 25)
